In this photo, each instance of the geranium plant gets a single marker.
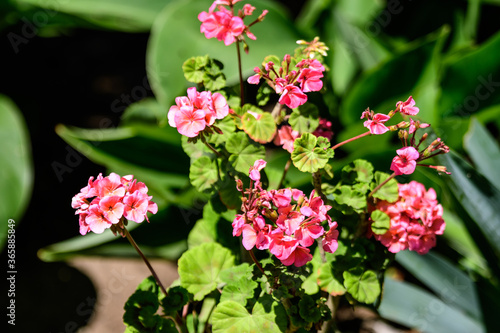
(299, 250)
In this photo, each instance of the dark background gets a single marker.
(74, 79)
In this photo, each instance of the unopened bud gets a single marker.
(424, 137)
(264, 13)
(403, 124)
(287, 58)
(239, 185)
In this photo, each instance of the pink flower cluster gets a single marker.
(224, 25)
(291, 84)
(106, 201)
(416, 219)
(198, 110)
(284, 221)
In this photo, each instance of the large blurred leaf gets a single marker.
(176, 37)
(471, 82)
(144, 151)
(484, 151)
(451, 284)
(124, 15)
(16, 168)
(381, 87)
(413, 307)
(476, 195)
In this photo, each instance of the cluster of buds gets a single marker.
(416, 219)
(197, 112)
(224, 25)
(291, 84)
(284, 221)
(107, 202)
(407, 157)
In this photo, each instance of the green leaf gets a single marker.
(308, 309)
(168, 48)
(352, 198)
(232, 317)
(484, 151)
(16, 175)
(424, 312)
(147, 111)
(311, 153)
(239, 291)
(175, 300)
(381, 222)
(193, 68)
(236, 273)
(363, 286)
(200, 266)
(358, 171)
(204, 173)
(470, 82)
(243, 152)
(389, 192)
(131, 150)
(476, 195)
(261, 128)
(328, 282)
(227, 127)
(452, 285)
(122, 15)
(381, 87)
(305, 118)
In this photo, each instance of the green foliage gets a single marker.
(206, 71)
(243, 152)
(305, 118)
(16, 165)
(260, 127)
(199, 268)
(311, 153)
(141, 307)
(175, 300)
(381, 222)
(203, 173)
(230, 316)
(389, 192)
(362, 285)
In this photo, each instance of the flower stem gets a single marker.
(211, 148)
(287, 166)
(179, 323)
(381, 184)
(351, 139)
(242, 92)
(257, 263)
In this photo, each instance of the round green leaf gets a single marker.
(388, 192)
(381, 222)
(200, 266)
(363, 286)
(305, 118)
(327, 282)
(358, 171)
(350, 197)
(308, 157)
(232, 317)
(243, 152)
(261, 128)
(203, 173)
(227, 127)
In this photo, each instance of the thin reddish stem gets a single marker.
(351, 139)
(381, 184)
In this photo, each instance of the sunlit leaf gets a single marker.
(311, 153)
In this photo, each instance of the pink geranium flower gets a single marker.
(292, 96)
(310, 80)
(376, 123)
(136, 206)
(96, 220)
(221, 25)
(405, 163)
(407, 107)
(285, 137)
(299, 257)
(190, 122)
(112, 208)
(255, 169)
